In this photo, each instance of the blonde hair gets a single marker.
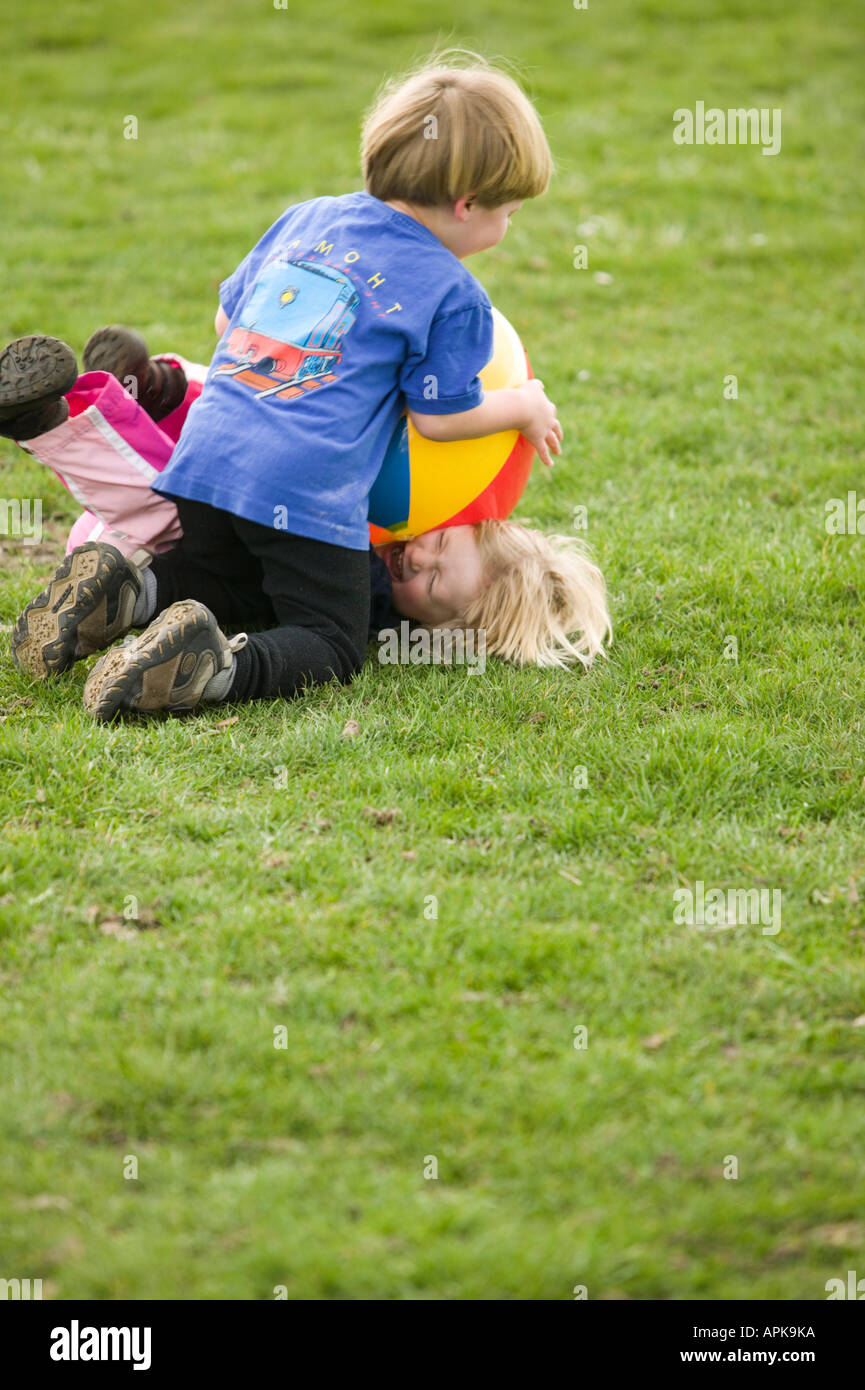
(454, 125)
(545, 600)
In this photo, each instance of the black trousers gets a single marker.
(316, 596)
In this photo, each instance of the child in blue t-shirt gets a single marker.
(346, 311)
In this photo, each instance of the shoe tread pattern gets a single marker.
(45, 641)
(33, 369)
(161, 669)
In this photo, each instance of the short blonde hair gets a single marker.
(453, 126)
(545, 601)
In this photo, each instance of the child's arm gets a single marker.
(221, 321)
(525, 408)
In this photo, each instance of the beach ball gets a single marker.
(424, 485)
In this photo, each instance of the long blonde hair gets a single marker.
(544, 602)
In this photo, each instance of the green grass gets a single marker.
(271, 900)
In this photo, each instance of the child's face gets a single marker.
(476, 228)
(435, 576)
(465, 226)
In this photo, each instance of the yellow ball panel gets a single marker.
(446, 477)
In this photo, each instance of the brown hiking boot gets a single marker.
(157, 386)
(35, 374)
(87, 605)
(167, 668)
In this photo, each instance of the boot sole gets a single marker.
(32, 370)
(117, 681)
(116, 350)
(46, 635)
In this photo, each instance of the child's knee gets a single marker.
(352, 664)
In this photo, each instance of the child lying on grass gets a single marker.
(377, 318)
(539, 598)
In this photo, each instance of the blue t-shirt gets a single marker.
(345, 311)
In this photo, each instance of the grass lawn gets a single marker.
(428, 972)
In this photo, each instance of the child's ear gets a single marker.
(557, 587)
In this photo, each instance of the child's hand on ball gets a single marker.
(540, 427)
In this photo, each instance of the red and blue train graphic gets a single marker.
(288, 338)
